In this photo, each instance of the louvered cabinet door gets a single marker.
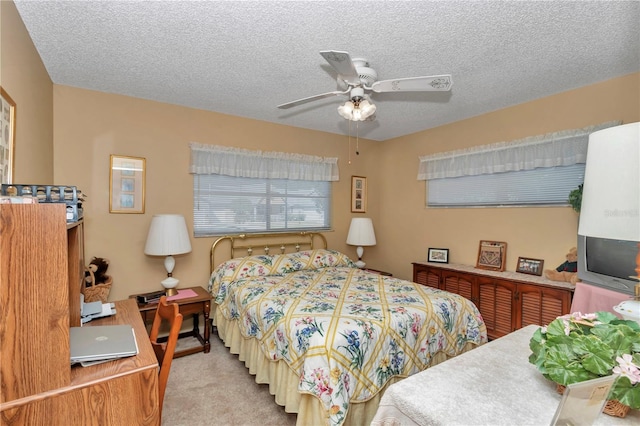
(426, 275)
(496, 305)
(459, 283)
(540, 305)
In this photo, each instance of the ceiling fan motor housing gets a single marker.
(367, 75)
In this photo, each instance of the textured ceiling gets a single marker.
(245, 57)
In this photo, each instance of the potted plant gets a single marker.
(576, 347)
(575, 198)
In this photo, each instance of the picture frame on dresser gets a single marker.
(126, 184)
(7, 136)
(530, 266)
(492, 255)
(438, 255)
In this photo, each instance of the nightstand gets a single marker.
(199, 304)
(376, 271)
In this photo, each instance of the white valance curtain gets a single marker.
(224, 160)
(562, 148)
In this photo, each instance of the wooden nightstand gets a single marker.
(375, 271)
(200, 304)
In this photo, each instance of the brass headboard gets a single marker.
(264, 243)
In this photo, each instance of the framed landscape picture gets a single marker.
(438, 255)
(492, 255)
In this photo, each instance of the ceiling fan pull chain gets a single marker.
(349, 142)
(357, 139)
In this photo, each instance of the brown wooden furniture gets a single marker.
(41, 271)
(507, 300)
(166, 313)
(377, 271)
(200, 304)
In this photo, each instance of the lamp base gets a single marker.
(170, 285)
(360, 264)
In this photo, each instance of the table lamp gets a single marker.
(361, 234)
(611, 195)
(168, 236)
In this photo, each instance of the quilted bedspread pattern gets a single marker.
(345, 331)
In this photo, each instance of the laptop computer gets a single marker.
(102, 343)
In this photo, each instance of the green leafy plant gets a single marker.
(575, 198)
(578, 347)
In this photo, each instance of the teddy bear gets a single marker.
(567, 271)
(98, 266)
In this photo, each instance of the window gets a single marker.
(237, 191)
(538, 187)
(535, 171)
(231, 205)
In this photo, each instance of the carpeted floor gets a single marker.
(217, 389)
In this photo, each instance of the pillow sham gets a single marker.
(278, 264)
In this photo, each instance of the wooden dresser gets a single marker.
(41, 272)
(507, 301)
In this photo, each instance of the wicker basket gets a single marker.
(96, 292)
(613, 407)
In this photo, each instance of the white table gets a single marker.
(491, 385)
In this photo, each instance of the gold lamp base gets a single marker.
(171, 292)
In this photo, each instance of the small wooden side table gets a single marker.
(377, 271)
(200, 304)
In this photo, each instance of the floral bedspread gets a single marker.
(345, 331)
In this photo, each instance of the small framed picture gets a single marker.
(583, 402)
(358, 194)
(126, 184)
(438, 255)
(530, 266)
(492, 255)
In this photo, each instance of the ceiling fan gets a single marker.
(356, 78)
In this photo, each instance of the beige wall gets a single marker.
(25, 79)
(90, 126)
(407, 229)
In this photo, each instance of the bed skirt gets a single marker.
(283, 381)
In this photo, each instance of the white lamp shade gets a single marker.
(168, 235)
(361, 232)
(611, 193)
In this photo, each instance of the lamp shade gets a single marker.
(361, 232)
(611, 193)
(168, 235)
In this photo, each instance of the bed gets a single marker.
(327, 337)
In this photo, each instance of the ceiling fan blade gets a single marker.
(311, 98)
(434, 83)
(342, 63)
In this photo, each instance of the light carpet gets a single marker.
(217, 389)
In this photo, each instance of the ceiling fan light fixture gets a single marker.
(366, 109)
(346, 110)
(357, 111)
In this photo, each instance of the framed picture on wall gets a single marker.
(7, 136)
(126, 184)
(492, 255)
(358, 194)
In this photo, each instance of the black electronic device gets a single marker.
(153, 297)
